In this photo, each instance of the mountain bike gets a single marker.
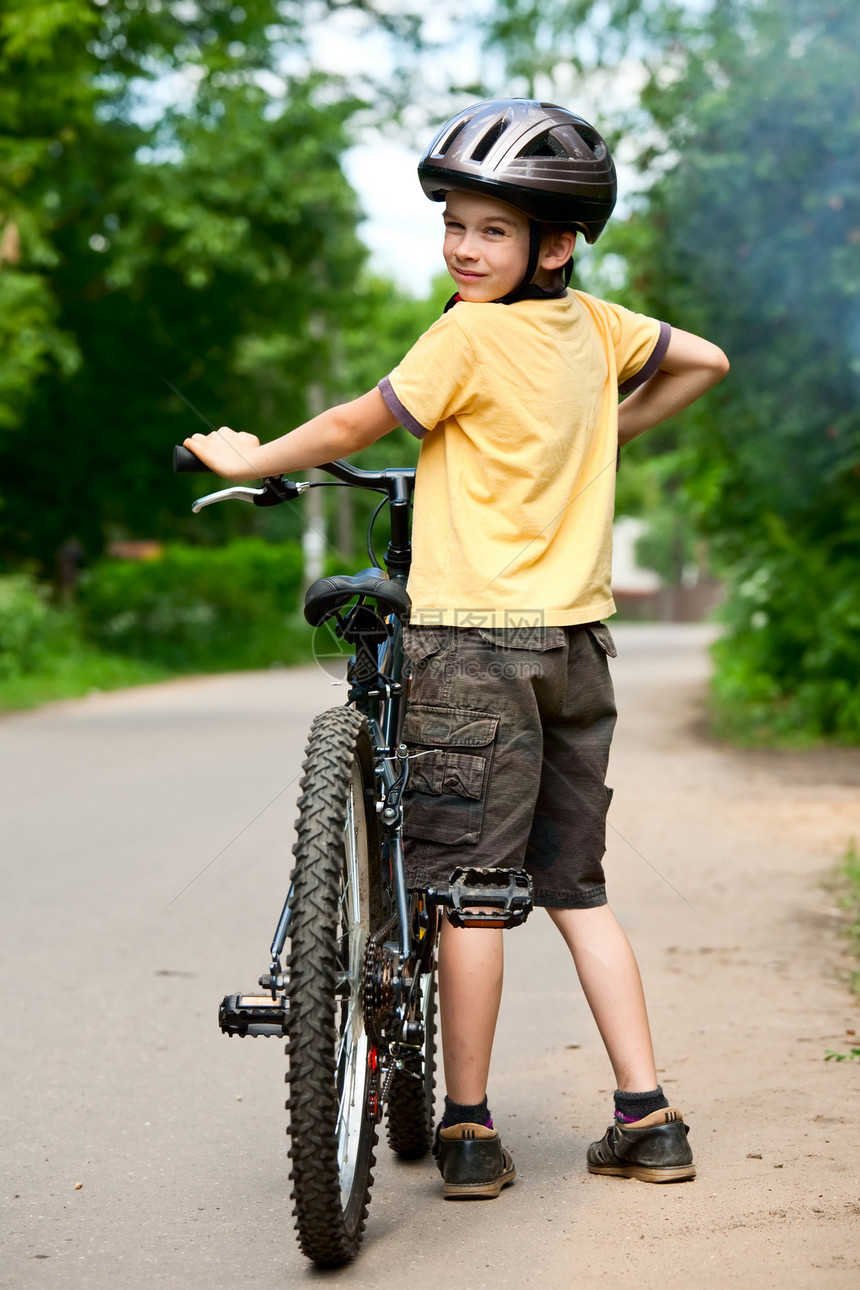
(355, 993)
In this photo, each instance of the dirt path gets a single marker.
(115, 1076)
(744, 1002)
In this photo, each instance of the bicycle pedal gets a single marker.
(486, 897)
(253, 1014)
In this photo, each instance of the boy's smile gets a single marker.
(486, 246)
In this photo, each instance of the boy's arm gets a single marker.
(689, 367)
(338, 432)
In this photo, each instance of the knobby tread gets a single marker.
(410, 1100)
(329, 1230)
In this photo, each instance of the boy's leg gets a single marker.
(470, 990)
(471, 1159)
(611, 983)
(648, 1139)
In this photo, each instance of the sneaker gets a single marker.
(472, 1161)
(653, 1149)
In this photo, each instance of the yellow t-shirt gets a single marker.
(517, 409)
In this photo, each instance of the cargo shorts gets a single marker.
(514, 727)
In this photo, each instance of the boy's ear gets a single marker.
(557, 249)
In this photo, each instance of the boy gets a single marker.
(517, 409)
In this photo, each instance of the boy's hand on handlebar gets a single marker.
(228, 453)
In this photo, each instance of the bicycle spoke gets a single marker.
(346, 1033)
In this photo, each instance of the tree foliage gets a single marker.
(549, 45)
(47, 102)
(752, 239)
(172, 205)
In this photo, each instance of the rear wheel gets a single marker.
(410, 1098)
(338, 904)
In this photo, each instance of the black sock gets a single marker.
(455, 1113)
(630, 1107)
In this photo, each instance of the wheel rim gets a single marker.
(352, 1052)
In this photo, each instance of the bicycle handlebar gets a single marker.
(185, 463)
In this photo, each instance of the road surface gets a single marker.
(146, 845)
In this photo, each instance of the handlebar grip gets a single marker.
(185, 463)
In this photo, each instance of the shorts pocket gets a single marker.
(601, 633)
(420, 643)
(444, 801)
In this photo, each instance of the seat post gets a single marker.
(398, 557)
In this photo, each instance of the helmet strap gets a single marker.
(528, 290)
(534, 253)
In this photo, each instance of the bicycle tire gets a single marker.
(338, 903)
(411, 1096)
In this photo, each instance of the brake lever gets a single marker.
(274, 492)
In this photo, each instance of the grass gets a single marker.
(848, 896)
(843, 885)
(831, 1056)
(83, 668)
(72, 675)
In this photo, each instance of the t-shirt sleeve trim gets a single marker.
(650, 367)
(403, 414)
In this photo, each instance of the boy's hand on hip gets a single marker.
(688, 369)
(229, 453)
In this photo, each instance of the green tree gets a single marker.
(212, 241)
(751, 237)
(47, 102)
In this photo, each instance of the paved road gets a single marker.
(146, 843)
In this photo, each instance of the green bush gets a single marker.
(787, 667)
(32, 631)
(200, 608)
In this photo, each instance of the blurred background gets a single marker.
(209, 211)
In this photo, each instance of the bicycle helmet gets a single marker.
(539, 158)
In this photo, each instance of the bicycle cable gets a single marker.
(371, 554)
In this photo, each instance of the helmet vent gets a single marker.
(545, 145)
(594, 141)
(445, 144)
(490, 138)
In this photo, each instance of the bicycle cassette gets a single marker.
(378, 991)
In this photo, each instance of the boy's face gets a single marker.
(486, 246)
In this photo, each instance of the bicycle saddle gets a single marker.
(328, 594)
